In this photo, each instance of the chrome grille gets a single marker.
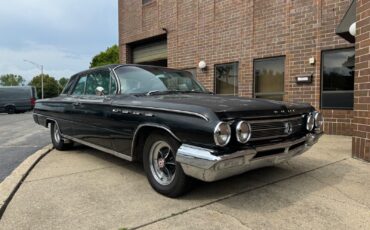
(269, 129)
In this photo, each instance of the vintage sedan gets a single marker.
(179, 131)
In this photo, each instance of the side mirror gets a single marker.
(99, 91)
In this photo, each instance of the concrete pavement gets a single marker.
(86, 189)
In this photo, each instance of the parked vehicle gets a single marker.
(14, 99)
(166, 119)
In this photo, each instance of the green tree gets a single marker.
(51, 86)
(109, 56)
(11, 80)
(63, 81)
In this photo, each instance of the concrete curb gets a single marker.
(11, 183)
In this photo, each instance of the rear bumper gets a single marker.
(202, 164)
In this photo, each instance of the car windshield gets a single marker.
(156, 80)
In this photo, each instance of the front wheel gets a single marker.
(56, 138)
(164, 174)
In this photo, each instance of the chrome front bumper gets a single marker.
(202, 164)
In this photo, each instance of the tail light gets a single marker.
(33, 101)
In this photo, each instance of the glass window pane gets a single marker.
(226, 78)
(338, 78)
(68, 86)
(80, 86)
(269, 78)
(193, 71)
(143, 79)
(97, 79)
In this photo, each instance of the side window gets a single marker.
(80, 86)
(98, 79)
(68, 86)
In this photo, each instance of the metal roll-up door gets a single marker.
(150, 52)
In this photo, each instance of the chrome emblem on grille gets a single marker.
(288, 128)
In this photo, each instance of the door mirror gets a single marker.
(99, 91)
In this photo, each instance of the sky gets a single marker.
(61, 35)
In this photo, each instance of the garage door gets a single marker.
(150, 52)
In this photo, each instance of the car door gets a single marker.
(93, 109)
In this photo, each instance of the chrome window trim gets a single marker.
(113, 70)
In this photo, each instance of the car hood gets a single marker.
(225, 107)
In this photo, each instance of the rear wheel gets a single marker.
(56, 138)
(164, 174)
(10, 109)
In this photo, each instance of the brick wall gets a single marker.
(222, 31)
(361, 122)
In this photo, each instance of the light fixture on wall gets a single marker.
(352, 29)
(202, 66)
(311, 60)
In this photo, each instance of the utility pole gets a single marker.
(41, 67)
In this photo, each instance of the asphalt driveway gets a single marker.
(20, 136)
(86, 189)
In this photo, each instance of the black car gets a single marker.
(179, 130)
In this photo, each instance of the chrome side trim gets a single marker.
(112, 152)
(164, 110)
(133, 142)
(117, 79)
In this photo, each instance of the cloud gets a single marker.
(63, 35)
(58, 63)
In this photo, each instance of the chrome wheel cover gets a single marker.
(56, 134)
(162, 162)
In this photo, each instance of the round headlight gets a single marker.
(222, 134)
(310, 122)
(243, 132)
(319, 119)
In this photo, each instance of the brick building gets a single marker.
(278, 49)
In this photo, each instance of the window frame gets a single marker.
(322, 78)
(254, 77)
(78, 76)
(146, 3)
(71, 84)
(237, 78)
(76, 83)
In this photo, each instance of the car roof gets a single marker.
(114, 66)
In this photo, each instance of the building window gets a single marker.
(226, 81)
(337, 71)
(269, 78)
(146, 1)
